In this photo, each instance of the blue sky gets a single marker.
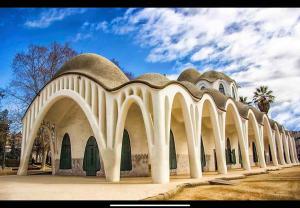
(254, 46)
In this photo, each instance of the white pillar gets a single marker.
(160, 151)
(286, 149)
(261, 155)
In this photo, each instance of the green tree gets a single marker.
(4, 131)
(245, 100)
(263, 97)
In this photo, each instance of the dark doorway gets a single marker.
(126, 163)
(91, 161)
(216, 162)
(65, 154)
(255, 158)
(270, 155)
(203, 159)
(172, 154)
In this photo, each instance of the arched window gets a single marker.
(228, 151)
(203, 87)
(203, 159)
(172, 152)
(270, 155)
(126, 163)
(91, 160)
(65, 154)
(221, 88)
(255, 158)
(233, 93)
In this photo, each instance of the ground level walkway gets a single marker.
(42, 187)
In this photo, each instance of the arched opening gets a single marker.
(230, 154)
(233, 134)
(91, 159)
(178, 134)
(75, 123)
(221, 88)
(135, 158)
(267, 145)
(172, 153)
(40, 151)
(203, 159)
(253, 142)
(208, 140)
(65, 161)
(126, 163)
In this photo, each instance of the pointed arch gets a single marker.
(126, 162)
(252, 122)
(65, 161)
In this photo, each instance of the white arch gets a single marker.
(239, 128)
(64, 93)
(280, 144)
(252, 119)
(216, 130)
(270, 139)
(193, 150)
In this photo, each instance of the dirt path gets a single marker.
(276, 185)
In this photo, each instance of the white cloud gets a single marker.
(254, 46)
(49, 16)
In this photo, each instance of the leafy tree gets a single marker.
(130, 75)
(263, 97)
(32, 69)
(244, 100)
(4, 131)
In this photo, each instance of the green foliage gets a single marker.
(263, 98)
(245, 100)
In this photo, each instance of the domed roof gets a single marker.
(212, 76)
(154, 79)
(190, 75)
(96, 67)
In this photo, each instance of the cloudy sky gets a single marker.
(254, 46)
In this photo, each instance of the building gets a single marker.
(296, 135)
(105, 125)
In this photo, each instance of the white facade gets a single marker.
(82, 106)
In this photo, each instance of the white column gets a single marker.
(219, 134)
(261, 155)
(160, 151)
(286, 149)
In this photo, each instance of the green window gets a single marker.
(233, 158)
(240, 155)
(126, 163)
(203, 159)
(228, 152)
(65, 154)
(172, 152)
(91, 160)
(270, 153)
(255, 158)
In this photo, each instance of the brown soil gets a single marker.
(276, 185)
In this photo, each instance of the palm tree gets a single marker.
(244, 100)
(263, 98)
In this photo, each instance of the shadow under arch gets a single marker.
(268, 142)
(130, 102)
(211, 136)
(179, 120)
(233, 119)
(252, 122)
(64, 93)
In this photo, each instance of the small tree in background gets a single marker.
(245, 100)
(128, 74)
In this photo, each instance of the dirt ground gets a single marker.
(276, 185)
